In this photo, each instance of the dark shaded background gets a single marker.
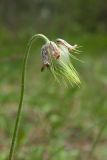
(56, 15)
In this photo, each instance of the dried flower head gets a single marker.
(56, 57)
(49, 51)
(45, 56)
(54, 50)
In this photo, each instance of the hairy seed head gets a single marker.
(56, 56)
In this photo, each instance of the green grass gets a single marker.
(58, 123)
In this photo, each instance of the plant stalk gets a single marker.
(17, 122)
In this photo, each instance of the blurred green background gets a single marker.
(57, 123)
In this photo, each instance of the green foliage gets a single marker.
(58, 122)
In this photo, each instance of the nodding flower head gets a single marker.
(49, 51)
(56, 57)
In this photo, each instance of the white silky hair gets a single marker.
(64, 54)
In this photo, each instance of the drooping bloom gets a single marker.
(49, 51)
(45, 57)
(56, 56)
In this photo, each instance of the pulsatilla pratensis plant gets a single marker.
(55, 57)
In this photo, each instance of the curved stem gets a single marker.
(15, 133)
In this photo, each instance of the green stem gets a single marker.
(98, 138)
(15, 133)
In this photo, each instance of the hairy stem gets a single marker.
(17, 123)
